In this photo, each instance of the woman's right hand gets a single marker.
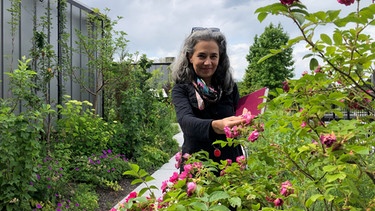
(218, 125)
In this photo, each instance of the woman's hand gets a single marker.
(218, 125)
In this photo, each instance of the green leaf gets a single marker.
(136, 181)
(219, 208)
(218, 195)
(304, 148)
(149, 178)
(235, 201)
(331, 50)
(313, 198)
(313, 63)
(131, 173)
(255, 207)
(329, 168)
(295, 40)
(198, 206)
(326, 39)
(333, 177)
(262, 16)
(362, 150)
(333, 14)
(265, 57)
(307, 56)
(300, 18)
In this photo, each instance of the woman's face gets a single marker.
(205, 59)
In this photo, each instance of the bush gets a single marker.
(84, 131)
(295, 159)
(103, 169)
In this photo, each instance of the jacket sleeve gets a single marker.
(192, 126)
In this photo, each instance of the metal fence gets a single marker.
(17, 38)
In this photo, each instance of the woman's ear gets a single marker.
(188, 57)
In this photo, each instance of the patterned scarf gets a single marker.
(205, 93)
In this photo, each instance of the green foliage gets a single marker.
(274, 70)
(101, 169)
(100, 46)
(84, 198)
(146, 130)
(20, 141)
(23, 86)
(296, 159)
(84, 131)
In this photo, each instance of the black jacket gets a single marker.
(196, 124)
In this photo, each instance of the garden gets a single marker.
(64, 156)
(310, 150)
(55, 157)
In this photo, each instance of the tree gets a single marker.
(272, 71)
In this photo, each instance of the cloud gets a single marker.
(158, 28)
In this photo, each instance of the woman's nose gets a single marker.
(207, 61)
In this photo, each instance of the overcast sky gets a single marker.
(157, 28)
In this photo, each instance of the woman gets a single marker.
(205, 95)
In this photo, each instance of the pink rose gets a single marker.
(191, 186)
(287, 2)
(278, 202)
(346, 2)
(328, 140)
(174, 177)
(286, 188)
(253, 136)
(286, 86)
(131, 195)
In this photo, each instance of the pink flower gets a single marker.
(177, 156)
(235, 131)
(178, 159)
(191, 186)
(346, 2)
(318, 69)
(305, 73)
(231, 133)
(253, 136)
(278, 202)
(164, 186)
(131, 195)
(303, 124)
(188, 167)
(113, 209)
(286, 86)
(174, 177)
(287, 2)
(286, 188)
(183, 175)
(229, 162)
(247, 116)
(328, 140)
(241, 160)
(228, 132)
(186, 156)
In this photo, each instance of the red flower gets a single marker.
(131, 195)
(286, 86)
(286, 188)
(346, 2)
(278, 202)
(328, 139)
(287, 2)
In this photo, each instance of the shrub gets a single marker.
(84, 131)
(295, 159)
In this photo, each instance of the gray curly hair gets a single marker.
(182, 69)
